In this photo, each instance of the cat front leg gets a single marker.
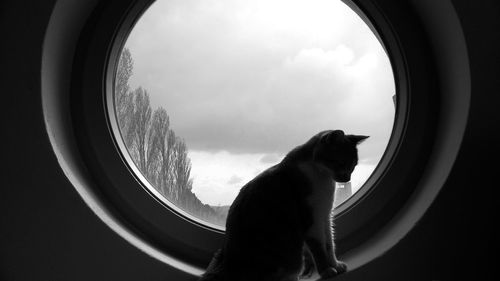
(317, 247)
(337, 266)
(320, 242)
(320, 245)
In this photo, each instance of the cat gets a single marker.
(284, 214)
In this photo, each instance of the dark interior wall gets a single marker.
(46, 230)
(48, 233)
(458, 238)
(462, 223)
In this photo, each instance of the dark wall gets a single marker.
(462, 225)
(48, 233)
(458, 238)
(46, 230)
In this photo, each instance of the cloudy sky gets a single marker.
(246, 81)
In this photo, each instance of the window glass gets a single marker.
(209, 93)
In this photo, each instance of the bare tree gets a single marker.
(159, 150)
(141, 125)
(182, 172)
(160, 155)
(123, 73)
(168, 157)
(124, 105)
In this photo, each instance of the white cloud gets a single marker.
(218, 176)
(234, 180)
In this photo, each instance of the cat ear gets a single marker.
(333, 136)
(357, 139)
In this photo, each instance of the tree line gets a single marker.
(156, 150)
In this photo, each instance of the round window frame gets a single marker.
(194, 244)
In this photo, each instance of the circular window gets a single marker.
(208, 94)
(250, 123)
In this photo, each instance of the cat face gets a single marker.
(338, 153)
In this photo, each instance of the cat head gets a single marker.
(338, 152)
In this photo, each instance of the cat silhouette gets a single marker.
(280, 225)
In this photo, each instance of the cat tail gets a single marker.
(215, 270)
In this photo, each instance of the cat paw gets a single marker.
(338, 268)
(341, 267)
